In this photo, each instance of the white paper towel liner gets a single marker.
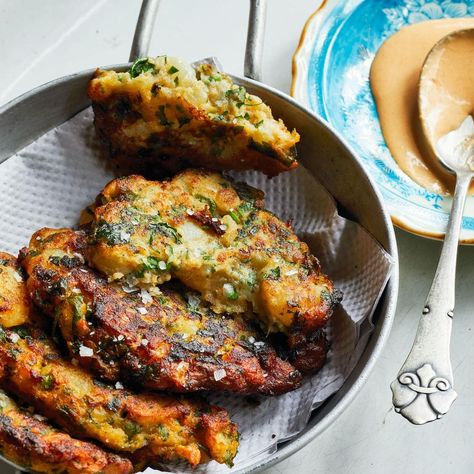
(49, 182)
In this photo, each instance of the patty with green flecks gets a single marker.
(30, 441)
(215, 236)
(164, 115)
(153, 427)
(159, 339)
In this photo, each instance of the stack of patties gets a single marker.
(143, 429)
(168, 288)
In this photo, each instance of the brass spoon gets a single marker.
(423, 390)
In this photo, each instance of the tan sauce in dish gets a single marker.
(394, 78)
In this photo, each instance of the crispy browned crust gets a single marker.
(31, 442)
(306, 352)
(169, 152)
(14, 300)
(165, 428)
(157, 427)
(178, 343)
(141, 139)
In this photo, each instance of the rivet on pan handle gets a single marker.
(255, 35)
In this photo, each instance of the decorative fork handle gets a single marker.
(423, 390)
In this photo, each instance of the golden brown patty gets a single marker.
(214, 236)
(14, 301)
(154, 427)
(165, 341)
(31, 442)
(164, 115)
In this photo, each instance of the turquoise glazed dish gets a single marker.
(331, 76)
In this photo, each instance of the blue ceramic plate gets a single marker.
(331, 76)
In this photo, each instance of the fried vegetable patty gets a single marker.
(159, 341)
(164, 114)
(30, 441)
(150, 426)
(214, 236)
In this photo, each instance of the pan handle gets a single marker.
(144, 29)
(255, 35)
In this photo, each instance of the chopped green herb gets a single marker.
(131, 428)
(215, 78)
(113, 234)
(229, 459)
(162, 299)
(55, 260)
(230, 291)
(152, 263)
(273, 274)
(47, 382)
(22, 331)
(246, 116)
(212, 205)
(235, 216)
(140, 66)
(193, 303)
(222, 116)
(256, 125)
(163, 432)
(161, 114)
(251, 281)
(76, 301)
(245, 207)
(265, 148)
(173, 70)
(164, 229)
(176, 80)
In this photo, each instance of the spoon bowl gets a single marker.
(446, 99)
(455, 150)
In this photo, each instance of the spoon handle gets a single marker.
(423, 390)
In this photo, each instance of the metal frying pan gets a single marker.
(322, 151)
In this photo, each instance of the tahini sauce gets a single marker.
(394, 80)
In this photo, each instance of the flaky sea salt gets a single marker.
(14, 337)
(79, 257)
(85, 351)
(124, 236)
(223, 227)
(219, 374)
(118, 386)
(144, 342)
(291, 272)
(145, 296)
(129, 289)
(142, 310)
(189, 212)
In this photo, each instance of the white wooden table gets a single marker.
(43, 40)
